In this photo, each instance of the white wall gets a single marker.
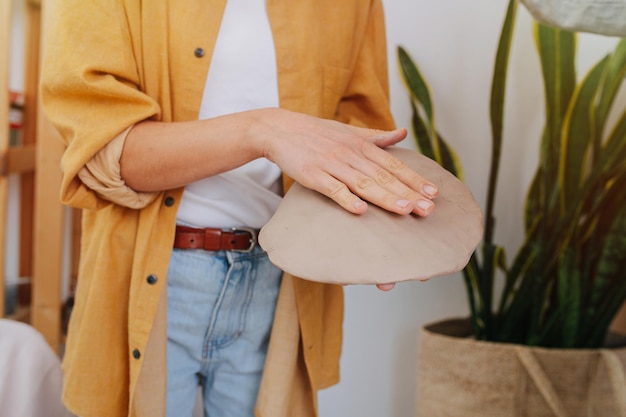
(454, 44)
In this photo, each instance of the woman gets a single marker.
(184, 122)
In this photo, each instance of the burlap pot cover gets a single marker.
(461, 377)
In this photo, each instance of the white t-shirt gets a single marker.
(242, 76)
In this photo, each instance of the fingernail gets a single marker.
(430, 190)
(360, 205)
(424, 204)
(403, 203)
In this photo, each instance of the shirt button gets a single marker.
(169, 201)
(152, 279)
(198, 52)
(136, 354)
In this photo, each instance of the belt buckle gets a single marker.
(253, 238)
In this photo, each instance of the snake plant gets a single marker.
(567, 280)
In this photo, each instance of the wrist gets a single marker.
(262, 130)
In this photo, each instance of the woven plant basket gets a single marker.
(461, 377)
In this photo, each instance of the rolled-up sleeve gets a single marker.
(102, 175)
(93, 95)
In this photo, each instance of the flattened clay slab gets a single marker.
(312, 237)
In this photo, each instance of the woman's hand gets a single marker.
(345, 163)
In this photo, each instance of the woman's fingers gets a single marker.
(353, 189)
(342, 195)
(384, 178)
(401, 171)
(385, 287)
(347, 164)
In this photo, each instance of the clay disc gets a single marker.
(312, 237)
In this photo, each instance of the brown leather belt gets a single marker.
(237, 239)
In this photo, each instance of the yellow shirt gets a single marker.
(110, 64)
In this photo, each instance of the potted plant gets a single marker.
(547, 329)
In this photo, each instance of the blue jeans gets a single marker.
(220, 308)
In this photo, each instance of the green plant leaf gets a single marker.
(602, 321)
(427, 139)
(578, 129)
(471, 272)
(416, 84)
(449, 159)
(420, 92)
(557, 51)
(498, 89)
(421, 134)
(613, 153)
(494, 259)
(516, 302)
(534, 204)
(569, 299)
(519, 267)
(616, 69)
(615, 150)
(609, 226)
(608, 286)
(608, 159)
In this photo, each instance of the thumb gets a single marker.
(384, 138)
